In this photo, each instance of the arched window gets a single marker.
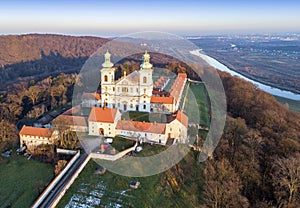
(105, 78)
(101, 131)
(144, 80)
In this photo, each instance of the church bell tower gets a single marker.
(146, 83)
(107, 81)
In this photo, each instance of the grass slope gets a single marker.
(290, 104)
(166, 189)
(22, 180)
(197, 97)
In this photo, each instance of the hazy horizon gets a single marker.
(114, 18)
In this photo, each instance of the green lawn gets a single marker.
(197, 97)
(120, 143)
(144, 116)
(161, 190)
(149, 150)
(22, 180)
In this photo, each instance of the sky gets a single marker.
(116, 17)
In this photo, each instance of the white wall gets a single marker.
(176, 130)
(109, 128)
(145, 136)
(33, 141)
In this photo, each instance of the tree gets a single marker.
(286, 180)
(34, 93)
(60, 166)
(8, 132)
(66, 138)
(222, 186)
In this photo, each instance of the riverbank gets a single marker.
(272, 90)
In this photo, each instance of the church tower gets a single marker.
(146, 83)
(107, 82)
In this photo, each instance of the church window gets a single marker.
(144, 80)
(145, 90)
(105, 78)
(131, 105)
(137, 89)
(144, 106)
(124, 89)
(113, 88)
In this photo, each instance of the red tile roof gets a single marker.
(157, 128)
(178, 86)
(34, 131)
(164, 100)
(182, 118)
(91, 96)
(106, 115)
(160, 82)
(70, 120)
(73, 110)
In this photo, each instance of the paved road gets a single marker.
(65, 179)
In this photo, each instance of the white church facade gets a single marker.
(129, 93)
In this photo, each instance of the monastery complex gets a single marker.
(133, 92)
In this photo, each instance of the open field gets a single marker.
(22, 180)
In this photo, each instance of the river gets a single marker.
(272, 90)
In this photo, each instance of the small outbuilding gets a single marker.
(134, 184)
(100, 170)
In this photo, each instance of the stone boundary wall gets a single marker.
(112, 157)
(55, 181)
(71, 181)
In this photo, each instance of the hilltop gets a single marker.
(24, 48)
(37, 56)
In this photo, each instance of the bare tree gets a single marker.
(286, 180)
(222, 186)
(33, 94)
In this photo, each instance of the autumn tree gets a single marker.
(60, 165)
(222, 187)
